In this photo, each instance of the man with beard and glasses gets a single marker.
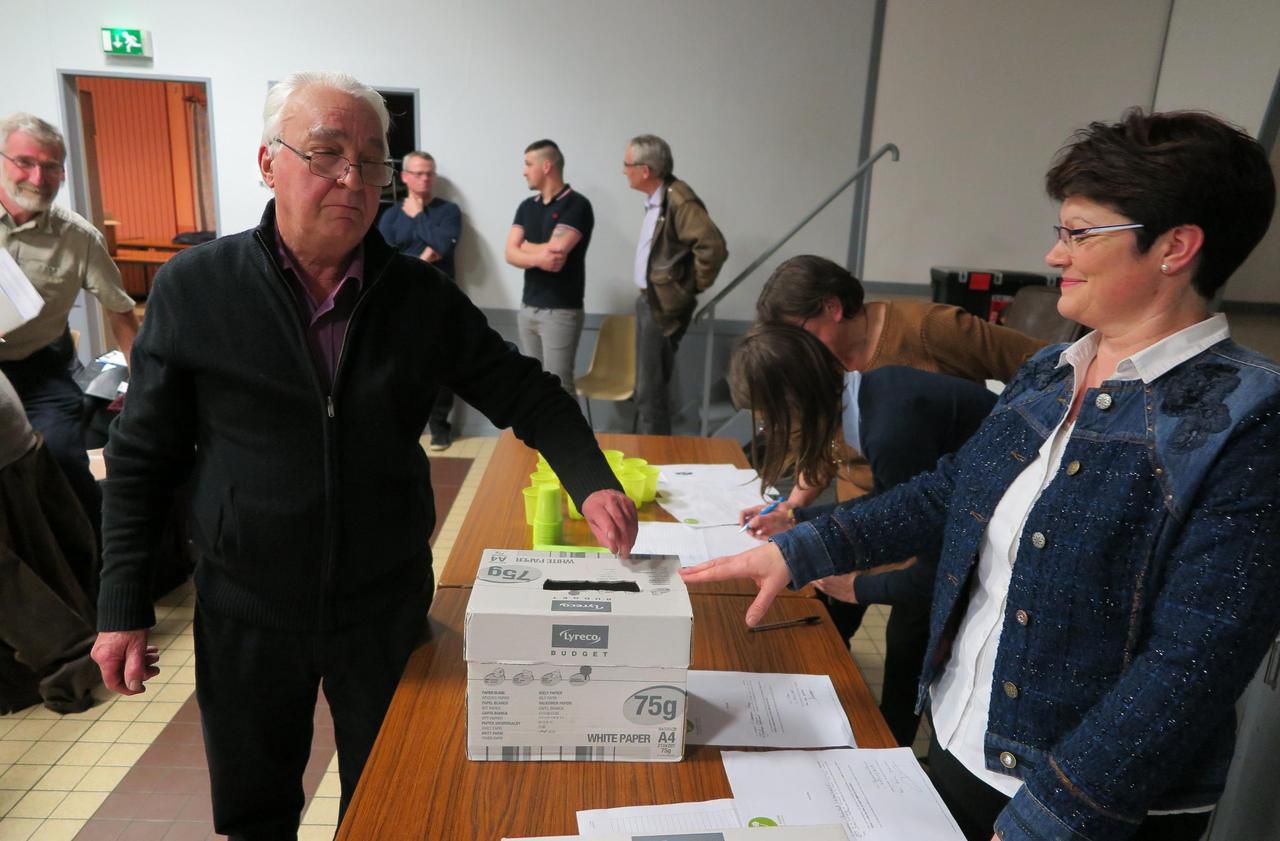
(61, 253)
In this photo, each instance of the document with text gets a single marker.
(749, 709)
(667, 817)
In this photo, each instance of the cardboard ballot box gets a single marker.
(825, 832)
(577, 656)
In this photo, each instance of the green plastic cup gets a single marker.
(633, 483)
(547, 532)
(651, 472)
(614, 457)
(633, 463)
(574, 513)
(548, 510)
(544, 477)
(530, 504)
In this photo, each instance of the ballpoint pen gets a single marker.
(768, 509)
(788, 623)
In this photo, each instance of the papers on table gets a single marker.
(707, 494)
(830, 832)
(692, 545)
(879, 795)
(19, 300)
(748, 709)
(669, 817)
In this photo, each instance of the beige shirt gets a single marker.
(60, 253)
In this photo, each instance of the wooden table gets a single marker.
(418, 783)
(496, 517)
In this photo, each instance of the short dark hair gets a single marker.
(798, 287)
(1170, 169)
(792, 385)
(549, 150)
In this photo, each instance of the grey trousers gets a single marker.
(551, 337)
(655, 362)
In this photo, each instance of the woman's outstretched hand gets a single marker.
(764, 565)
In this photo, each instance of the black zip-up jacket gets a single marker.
(310, 509)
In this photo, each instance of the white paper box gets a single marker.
(577, 656)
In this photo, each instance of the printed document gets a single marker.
(707, 494)
(750, 709)
(879, 795)
(19, 300)
(670, 817)
(693, 546)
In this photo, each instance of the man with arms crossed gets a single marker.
(60, 253)
(427, 227)
(549, 240)
(680, 253)
(283, 375)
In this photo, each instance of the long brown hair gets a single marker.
(792, 385)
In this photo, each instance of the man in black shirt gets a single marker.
(549, 240)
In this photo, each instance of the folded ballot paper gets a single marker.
(826, 832)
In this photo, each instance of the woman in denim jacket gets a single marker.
(1109, 579)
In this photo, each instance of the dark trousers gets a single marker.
(655, 362)
(975, 805)
(906, 640)
(438, 420)
(257, 693)
(54, 405)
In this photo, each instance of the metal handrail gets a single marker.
(708, 310)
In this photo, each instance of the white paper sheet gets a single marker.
(879, 795)
(693, 546)
(707, 494)
(749, 709)
(19, 300)
(671, 817)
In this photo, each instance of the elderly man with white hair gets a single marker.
(283, 375)
(60, 253)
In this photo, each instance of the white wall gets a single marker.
(979, 96)
(761, 102)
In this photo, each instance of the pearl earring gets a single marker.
(1164, 267)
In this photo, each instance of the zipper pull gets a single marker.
(329, 404)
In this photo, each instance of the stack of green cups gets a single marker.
(548, 520)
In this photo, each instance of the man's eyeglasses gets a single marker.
(629, 166)
(1071, 237)
(336, 167)
(426, 173)
(47, 169)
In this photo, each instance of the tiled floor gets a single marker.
(132, 769)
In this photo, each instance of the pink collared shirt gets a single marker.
(324, 322)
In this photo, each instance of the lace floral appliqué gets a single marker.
(1198, 394)
(1035, 376)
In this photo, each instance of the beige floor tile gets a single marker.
(10, 751)
(7, 799)
(6, 724)
(174, 693)
(121, 755)
(83, 754)
(183, 674)
(101, 778)
(185, 642)
(330, 786)
(67, 731)
(122, 712)
(44, 753)
(142, 733)
(40, 711)
(315, 833)
(22, 777)
(79, 804)
(104, 731)
(19, 829)
(323, 811)
(29, 730)
(91, 714)
(37, 804)
(161, 641)
(161, 711)
(60, 830)
(61, 778)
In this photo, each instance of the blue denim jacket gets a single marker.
(1145, 592)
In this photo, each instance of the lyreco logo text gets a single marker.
(580, 636)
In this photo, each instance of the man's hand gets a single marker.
(612, 517)
(764, 565)
(777, 520)
(839, 587)
(411, 206)
(551, 260)
(429, 255)
(125, 660)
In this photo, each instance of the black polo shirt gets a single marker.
(562, 289)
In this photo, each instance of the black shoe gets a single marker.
(440, 441)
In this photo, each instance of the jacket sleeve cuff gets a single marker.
(125, 607)
(806, 555)
(1027, 819)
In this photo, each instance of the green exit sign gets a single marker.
(130, 42)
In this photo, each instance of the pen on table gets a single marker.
(768, 509)
(789, 623)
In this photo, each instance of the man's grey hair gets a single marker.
(280, 93)
(416, 153)
(653, 152)
(43, 133)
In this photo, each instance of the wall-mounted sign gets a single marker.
(130, 42)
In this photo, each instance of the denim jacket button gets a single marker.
(1022, 616)
(1073, 468)
(1010, 689)
(1038, 540)
(1102, 401)
(1008, 760)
